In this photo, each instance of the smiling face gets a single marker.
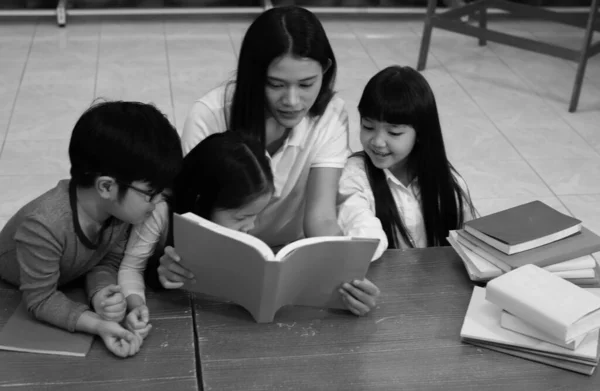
(293, 85)
(387, 145)
(241, 219)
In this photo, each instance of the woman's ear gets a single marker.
(106, 187)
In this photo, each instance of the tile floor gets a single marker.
(503, 110)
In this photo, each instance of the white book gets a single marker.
(482, 323)
(585, 262)
(549, 303)
(511, 322)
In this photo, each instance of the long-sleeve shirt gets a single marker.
(143, 241)
(43, 247)
(356, 206)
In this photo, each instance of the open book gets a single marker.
(242, 268)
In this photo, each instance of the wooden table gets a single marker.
(166, 360)
(409, 342)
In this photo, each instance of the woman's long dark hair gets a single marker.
(401, 96)
(224, 171)
(276, 32)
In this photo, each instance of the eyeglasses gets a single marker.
(149, 195)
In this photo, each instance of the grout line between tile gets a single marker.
(169, 72)
(15, 99)
(432, 53)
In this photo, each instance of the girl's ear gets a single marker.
(106, 187)
(327, 66)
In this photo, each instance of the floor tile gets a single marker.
(570, 176)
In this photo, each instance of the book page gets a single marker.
(312, 274)
(283, 252)
(245, 238)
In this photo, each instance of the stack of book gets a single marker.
(534, 314)
(532, 233)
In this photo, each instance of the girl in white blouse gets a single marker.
(401, 188)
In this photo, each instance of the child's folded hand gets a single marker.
(118, 340)
(360, 296)
(137, 321)
(110, 303)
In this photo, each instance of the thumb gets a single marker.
(113, 289)
(126, 335)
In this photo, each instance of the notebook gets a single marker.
(24, 333)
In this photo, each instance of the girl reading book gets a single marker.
(283, 96)
(401, 188)
(226, 179)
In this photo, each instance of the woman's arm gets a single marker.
(320, 214)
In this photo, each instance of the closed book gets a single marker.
(24, 333)
(582, 270)
(547, 302)
(482, 324)
(577, 367)
(511, 322)
(238, 267)
(583, 243)
(523, 227)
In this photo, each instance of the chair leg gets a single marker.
(583, 56)
(482, 23)
(426, 39)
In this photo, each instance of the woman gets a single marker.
(283, 96)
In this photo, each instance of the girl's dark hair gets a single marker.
(224, 171)
(276, 32)
(129, 141)
(401, 96)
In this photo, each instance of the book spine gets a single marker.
(529, 313)
(269, 293)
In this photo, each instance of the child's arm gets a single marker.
(39, 253)
(141, 245)
(356, 206)
(101, 282)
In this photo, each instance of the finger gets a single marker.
(367, 286)
(348, 305)
(359, 295)
(170, 251)
(144, 331)
(167, 284)
(118, 347)
(115, 299)
(355, 305)
(111, 289)
(115, 309)
(179, 270)
(145, 314)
